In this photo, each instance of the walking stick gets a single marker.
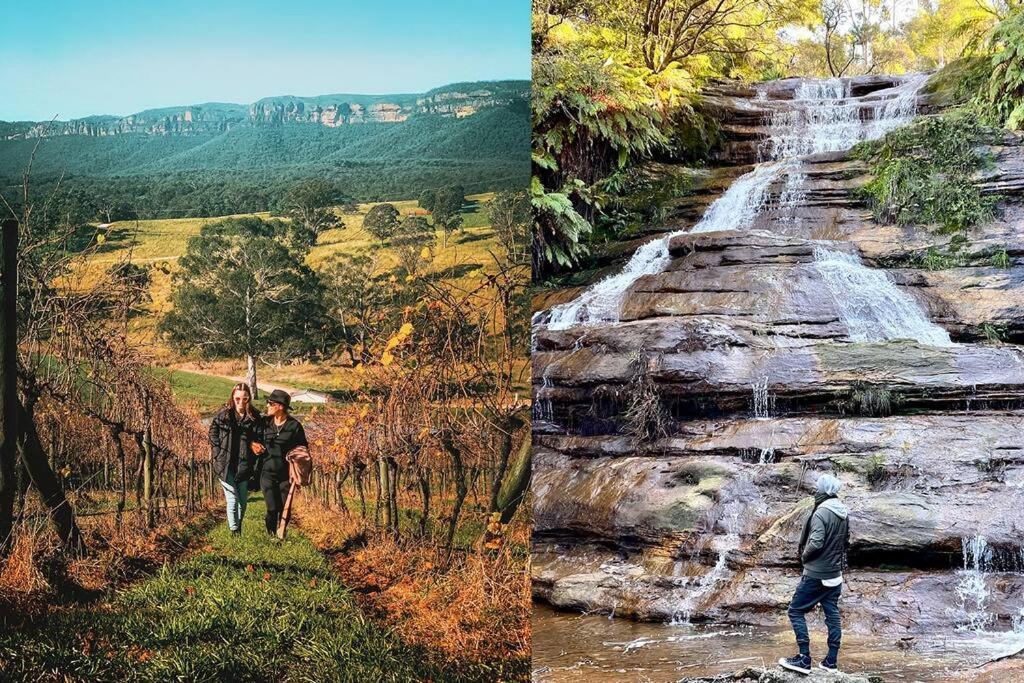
(282, 526)
(299, 454)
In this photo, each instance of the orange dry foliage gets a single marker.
(476, 607)
(118, 556)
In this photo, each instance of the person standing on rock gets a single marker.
(823, 547)
(280, 433)
(232, 436)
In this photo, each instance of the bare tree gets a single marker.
(839, 55)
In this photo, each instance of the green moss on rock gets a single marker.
(922, 173)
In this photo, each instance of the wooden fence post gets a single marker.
(147, 464)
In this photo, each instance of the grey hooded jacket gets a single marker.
(823, 554)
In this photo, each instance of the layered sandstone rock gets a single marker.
(765, 382)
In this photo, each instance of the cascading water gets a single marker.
(704, 584)
(830, 119)
(870, 305)
(825, 119)
(734, 210)
(972, 591)
(741, 500)
(543, 410)
(763, 399)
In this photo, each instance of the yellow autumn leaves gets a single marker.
(397, 339)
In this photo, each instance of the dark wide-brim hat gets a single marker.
(280, 396)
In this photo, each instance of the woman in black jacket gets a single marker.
(279, 432)
(233, 438)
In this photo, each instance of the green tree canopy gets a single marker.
(242, 291)
(364, 307)
(382, 221)
(426, 200)
(447, 209)
(310, 204)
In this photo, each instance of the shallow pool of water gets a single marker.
(574, 647)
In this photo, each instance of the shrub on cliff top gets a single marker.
(990, 83)
(1006, 83)
(922, 173)
(590, 116)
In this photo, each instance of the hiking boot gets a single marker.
(799, 663)
(236, 532)
(829, 664)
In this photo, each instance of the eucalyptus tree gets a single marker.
(243, 290)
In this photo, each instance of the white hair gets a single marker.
(829, 485)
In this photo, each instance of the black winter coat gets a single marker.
(278, 441)
(231, 441)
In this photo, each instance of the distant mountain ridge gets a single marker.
(457, 100)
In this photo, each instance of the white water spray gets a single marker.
(972, 592)
(763, 399)
(702, 587)
(870, 305)
(973, 595)
(735, 210)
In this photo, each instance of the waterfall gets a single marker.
(826, 119)
(742, 501)
(763, 399)
(742, 202)
(735, 210)
(543, 410)
(829, 117)
(972, 591)
(870, 305)
(724, 544)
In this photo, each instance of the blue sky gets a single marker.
(73, 59)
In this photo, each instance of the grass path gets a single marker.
(240, 609)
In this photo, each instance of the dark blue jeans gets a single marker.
(809, 594)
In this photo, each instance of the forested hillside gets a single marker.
(231, 158)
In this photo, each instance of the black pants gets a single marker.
(275, 492)
(809, 594)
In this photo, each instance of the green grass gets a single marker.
(206, 393)
(211, 618)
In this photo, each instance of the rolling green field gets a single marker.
(159, 243)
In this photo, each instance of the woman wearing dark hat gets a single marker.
(232, 437)
(279, 432)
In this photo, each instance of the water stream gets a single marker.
(981, 564)
(870, 305)
(972, 589)
(826, 119)
(704, 584)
